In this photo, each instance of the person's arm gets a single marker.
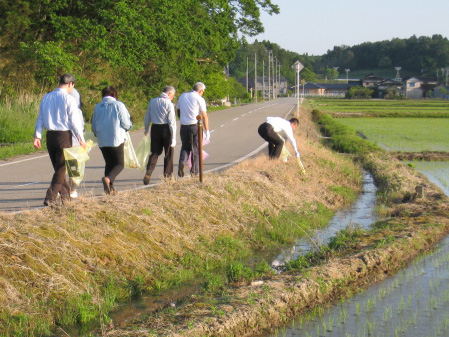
(125, 117)
(172, 123)
(147, 120)
(75, 121)
(291, 138)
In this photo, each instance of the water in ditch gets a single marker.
(361, 214)
(413, 303)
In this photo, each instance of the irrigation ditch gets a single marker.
(414, 218)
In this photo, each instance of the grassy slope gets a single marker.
(353, 260)
(70, 265)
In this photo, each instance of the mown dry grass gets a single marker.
(413, 225)
(70, 265)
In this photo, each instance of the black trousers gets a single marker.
(114, 159)
(275, 142)
(57, 141)
(189, 140)
(161, 140)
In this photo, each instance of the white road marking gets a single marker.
(34, 183)
(235, 119)
(23, 160)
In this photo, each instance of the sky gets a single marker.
(314, 27)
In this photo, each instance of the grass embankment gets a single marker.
(71, 265)
(354, 259)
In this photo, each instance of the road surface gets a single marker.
(24, 180)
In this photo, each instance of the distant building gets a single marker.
(371, 81)
(325, 89)
(419, 87)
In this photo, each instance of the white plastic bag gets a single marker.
(75, 161)
(143, 152)
(130, 155)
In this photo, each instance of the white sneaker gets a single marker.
(74, 194)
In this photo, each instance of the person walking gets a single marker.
(58, 114)
(190, 105)
(110, 122)
(76, 95)
(161, 115)
(275, 130)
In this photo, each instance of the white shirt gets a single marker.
(161, 111)
(191, 105)
(284, 129)
(58, 111)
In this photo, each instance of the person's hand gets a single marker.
(207, 135)
(297, 154)
(37, 143)
(173, 143)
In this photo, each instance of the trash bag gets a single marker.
(75, 161)
(285, 154)
(143, 152)
(130, 155)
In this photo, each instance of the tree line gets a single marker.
(420, 56)
(137, 45)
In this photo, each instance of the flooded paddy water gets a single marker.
(413, 302)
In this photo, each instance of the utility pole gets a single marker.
(269, 74)
(255, 77)
(263, 79)
(246, 74)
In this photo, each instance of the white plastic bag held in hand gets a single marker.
(129, 153)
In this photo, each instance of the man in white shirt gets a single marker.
(58, 114)
(274, 131)
(190, 105)
(161, 115)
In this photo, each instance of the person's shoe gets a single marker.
(146, 179)
(50, 203)
(181, 170)
(106, 185)
(74, 194)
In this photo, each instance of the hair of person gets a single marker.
(66, 79)
(294, 121)
(168, 89)
(109, 91)
(199, 86)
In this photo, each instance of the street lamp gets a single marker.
(347, 74)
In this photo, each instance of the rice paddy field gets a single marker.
(383, 108)
(395, 125)
(403, 134)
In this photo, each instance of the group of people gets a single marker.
(60, 114)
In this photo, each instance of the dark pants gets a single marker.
(189, 140)
(161, 140)
(275, 142)
(114, 159)
(57, 141)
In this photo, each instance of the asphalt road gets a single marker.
(25, 179)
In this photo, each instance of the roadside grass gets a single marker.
(70, 266)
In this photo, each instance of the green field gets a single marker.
(403, 134)
(383, 108)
